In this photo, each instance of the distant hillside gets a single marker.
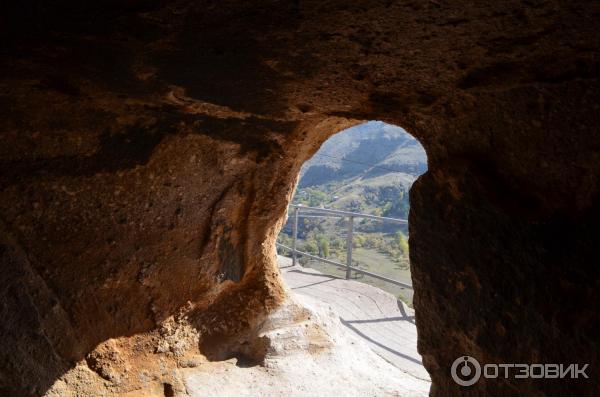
(370, 149)
(367, 168)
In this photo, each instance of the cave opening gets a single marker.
(346, 236)
(151, 149)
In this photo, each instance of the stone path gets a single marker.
(386, 324)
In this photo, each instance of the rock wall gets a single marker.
(150, 148)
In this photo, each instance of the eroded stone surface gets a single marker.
(149, 149)
(309, 352)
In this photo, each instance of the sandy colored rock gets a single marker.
(149, 150)
(304, 338)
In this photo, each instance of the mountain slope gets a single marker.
(367, 168)
(367, 150)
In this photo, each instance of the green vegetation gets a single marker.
(367, 169)
(312, 198)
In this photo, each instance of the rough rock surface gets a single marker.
(299, 350)
(377, 317)
(310, 353)
(149, 149)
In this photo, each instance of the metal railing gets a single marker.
(313, 212)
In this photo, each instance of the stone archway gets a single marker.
(146, 162)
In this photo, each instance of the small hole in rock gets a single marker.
(168, 390)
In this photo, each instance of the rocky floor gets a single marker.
(377, 317)
(308, 352)
(311, 354)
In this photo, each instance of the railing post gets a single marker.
(349, 246)
(295, 236)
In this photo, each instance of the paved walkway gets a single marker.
(385, 323)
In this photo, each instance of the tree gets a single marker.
(311, 247)
(402, 242)
(323, 243)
